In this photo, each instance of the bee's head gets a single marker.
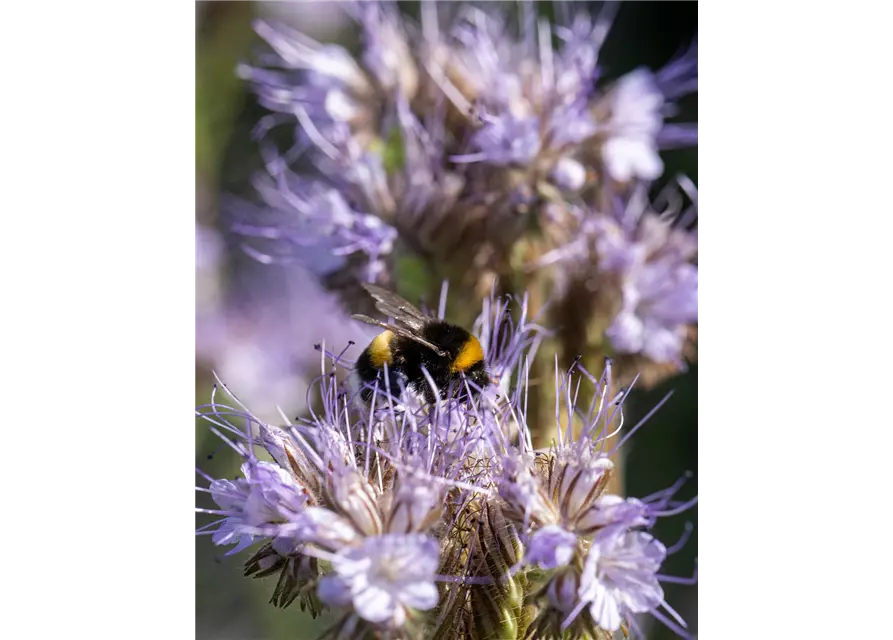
(474, 381)
(480, 377)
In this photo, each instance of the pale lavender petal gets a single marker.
(334, 590)
(569, 174)
(604, 609)
(627, 332)
(629, 157)
(680, 76)
(420, 595)
(508, 140)
(378, 605)
(674, 136)
(551, 547)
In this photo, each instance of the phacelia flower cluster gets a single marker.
(645, 299)
(418, 520)
(480, 144)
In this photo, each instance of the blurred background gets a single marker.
(256, 324)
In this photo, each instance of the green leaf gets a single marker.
(412, 278)
(393, 152)
(219, 92)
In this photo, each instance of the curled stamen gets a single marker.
(677, 509)
(673, 626)
(665, 494)
(640, 423)
(683, 539)
(693, 580)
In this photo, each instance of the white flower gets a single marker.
(631, 149)
(569, 174)
(384, 576)
(267, 498)
(325, 528)
(619, 577)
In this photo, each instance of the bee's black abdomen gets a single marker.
(450, 338)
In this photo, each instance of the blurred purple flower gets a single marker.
(316, 19)
(654, 258)
(631, 148)
(260, 338)
(649, 258)
(209, 258)
(658, 303)
(303, 214)
(638, 103)
(445, 130)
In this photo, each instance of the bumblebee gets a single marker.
(446, 351)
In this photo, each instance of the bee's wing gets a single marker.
(400, 331)
(393, 305)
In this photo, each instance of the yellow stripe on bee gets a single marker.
(469, 355)
(380, 349)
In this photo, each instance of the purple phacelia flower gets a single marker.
(416, 503)
(658, 304)
(267, 501)
(306, 77)
(384, 578)
(305, 213)
(448, 130)
(620, 577)
(556, 501)
(386, 53)
(551, 547)
(653, 258)
(532, 100)
(609, 510)
(326, 529)
(645, 264)
(637, 105)
(246, 334)
(387, 502)
(506, 140)
(631, 146)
